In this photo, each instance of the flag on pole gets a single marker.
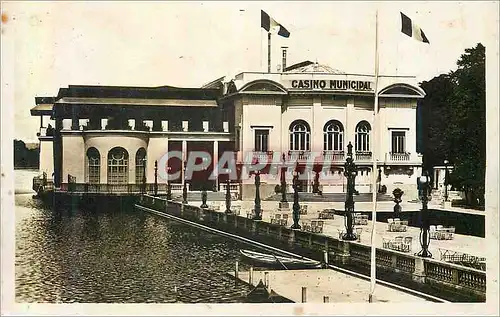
(409, 28)
(266, 22)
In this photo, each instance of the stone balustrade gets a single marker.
(429, 275)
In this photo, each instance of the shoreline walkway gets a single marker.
(321, 282)
(471, 245)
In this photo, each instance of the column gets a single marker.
(57, 153)
(350, 127)
(75, 126)
(184, 157)
(216, 161)
(316, 129)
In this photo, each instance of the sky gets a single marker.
(186, 44)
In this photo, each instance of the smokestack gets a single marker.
(283, 64)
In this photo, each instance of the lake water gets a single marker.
(117, 256)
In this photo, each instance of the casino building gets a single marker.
(107, 138)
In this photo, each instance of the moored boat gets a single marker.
(280, 261)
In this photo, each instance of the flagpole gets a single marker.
(268, 52)
(375, 151)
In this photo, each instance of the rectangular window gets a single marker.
(398, 141)
(261, 140)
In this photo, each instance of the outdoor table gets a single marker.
(327, 214)
(397, 226)
(361, 220)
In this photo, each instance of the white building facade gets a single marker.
(313, 110)
(114, 135)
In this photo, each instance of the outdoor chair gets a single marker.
(306, 226)
(340, 232)
(397, 244)
(447, 235)
(284, 221)
(407, 244)
(386, 242)
(237, 210)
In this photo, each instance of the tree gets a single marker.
(453, 116)
(24, 157)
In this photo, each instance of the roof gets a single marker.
(137, 102)
(162, 92)
(217, 83)
(310, 67)
(42, 109)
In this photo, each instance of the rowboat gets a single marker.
(280, 261)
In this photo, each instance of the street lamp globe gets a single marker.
(424, 179)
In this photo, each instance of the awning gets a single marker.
(137, 102)
(42, 109)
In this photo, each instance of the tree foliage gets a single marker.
(24, 157)
(454, 123)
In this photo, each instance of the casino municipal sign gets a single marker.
(342, 84)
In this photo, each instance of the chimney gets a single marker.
(283, 64)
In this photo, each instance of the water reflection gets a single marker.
(113, 256)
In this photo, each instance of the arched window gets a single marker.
(363, 137)
(94, 165)
(300, 136)
(118, 166)
(333, 136)
(140, 163)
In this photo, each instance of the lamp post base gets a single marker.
(204, 206)
(424, 253)
(349, 236)
(296, 226)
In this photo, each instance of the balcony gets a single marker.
(399, 156)
(299, 155)
(263, 156)
(363, 156)
(333, 156)
(110, 188)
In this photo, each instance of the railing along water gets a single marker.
(448, 276)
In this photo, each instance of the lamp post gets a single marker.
(398, 193)
(379, 180)
(169, 187)
(283, 181)
(350, 173)
(424, 216)
(316, 183)
(156, 179)
(204, 198)
(296, 206)
(184, 188)
(144, 175)
(228, 197)
(446, 180)
(258, 210)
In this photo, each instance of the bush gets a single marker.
(277, 189)
(383, 189)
